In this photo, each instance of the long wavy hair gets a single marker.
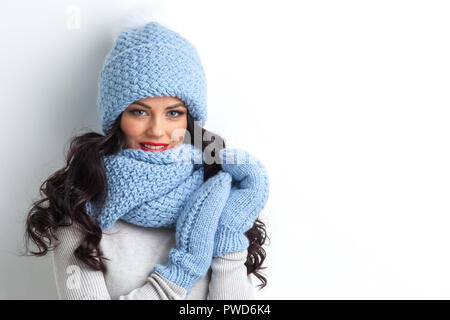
(65, 193)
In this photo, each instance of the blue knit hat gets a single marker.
(150, 61)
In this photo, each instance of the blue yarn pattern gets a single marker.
(146, 62)
(190, 259)
(147, 189)
(248, 196)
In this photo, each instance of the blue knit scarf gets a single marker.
(148, 188)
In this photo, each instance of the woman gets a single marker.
(152, 91)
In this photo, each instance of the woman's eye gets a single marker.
(177, 113)
(135, 112)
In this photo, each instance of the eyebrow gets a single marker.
(179, 104)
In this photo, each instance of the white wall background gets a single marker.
(346, 102)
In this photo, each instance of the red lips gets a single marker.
(154, 144)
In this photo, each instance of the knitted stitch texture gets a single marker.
(191, 258)
(146, 62)
(148, 188)
(248, 196)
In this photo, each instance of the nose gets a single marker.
(155, 128)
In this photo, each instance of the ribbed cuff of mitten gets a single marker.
(183, 269)
(227, 240)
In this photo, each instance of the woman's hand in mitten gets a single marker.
(190, 259)
(248, 196)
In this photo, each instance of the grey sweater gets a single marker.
(132, 252)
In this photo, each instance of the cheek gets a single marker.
(131, 128)
(177, 131)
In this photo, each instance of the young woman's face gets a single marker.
(154, 123)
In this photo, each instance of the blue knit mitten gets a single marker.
(248, 196)
(190, 259)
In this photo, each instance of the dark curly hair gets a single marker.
(65, 193)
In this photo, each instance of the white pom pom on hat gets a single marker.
(139, 15)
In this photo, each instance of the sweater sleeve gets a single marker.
(76, 281)
(229, 279)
